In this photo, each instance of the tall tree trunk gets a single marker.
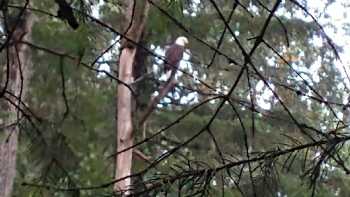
(136, 13)
(19, 62)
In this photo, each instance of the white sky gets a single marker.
(338, 16)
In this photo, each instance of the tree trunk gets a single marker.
(135, 14)
(19, 62)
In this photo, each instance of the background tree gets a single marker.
(260, 107)
(17, 26)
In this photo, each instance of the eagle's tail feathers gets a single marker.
(168, 74)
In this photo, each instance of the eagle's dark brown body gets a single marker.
(173, 57)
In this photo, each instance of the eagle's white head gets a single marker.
(182, 41)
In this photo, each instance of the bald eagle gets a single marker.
(173, 56)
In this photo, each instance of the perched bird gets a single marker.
(65, 12)
(173, 56)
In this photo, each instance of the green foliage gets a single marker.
(70, 144)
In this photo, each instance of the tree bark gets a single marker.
(136, 14)
(19, 62)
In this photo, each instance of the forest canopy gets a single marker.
(255, 103)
